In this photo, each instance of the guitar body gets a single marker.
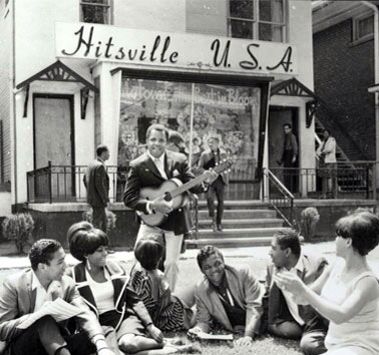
(157, 218)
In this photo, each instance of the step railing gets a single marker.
(282, 202)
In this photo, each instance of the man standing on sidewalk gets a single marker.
(96, 180)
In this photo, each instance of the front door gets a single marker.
(54, 142)
(279, 116)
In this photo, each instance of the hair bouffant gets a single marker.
(362, 228)
(205, 253)
(148, 253)
(83, 239)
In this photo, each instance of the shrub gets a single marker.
(111, 219)
(309, 219)
(19, 227)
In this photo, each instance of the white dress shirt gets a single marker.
(159, 163)
(42, 295)
(292, 305)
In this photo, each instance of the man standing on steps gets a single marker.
(209, 159)
(96, 180)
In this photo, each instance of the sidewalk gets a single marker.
(257, 253)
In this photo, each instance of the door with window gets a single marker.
(54, 142)
(278, 117)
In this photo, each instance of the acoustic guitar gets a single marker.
(172, 190)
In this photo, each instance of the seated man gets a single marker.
(232, 297)
(286, 319)
(26, 294)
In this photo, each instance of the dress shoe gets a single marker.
(219, 227)
(214, 227)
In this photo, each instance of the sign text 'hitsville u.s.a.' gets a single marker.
(176, 50)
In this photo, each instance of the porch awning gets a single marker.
(59, 72)
(293, 87)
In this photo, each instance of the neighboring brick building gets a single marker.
(344, 67)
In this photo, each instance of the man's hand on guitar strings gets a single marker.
(211, 176)
(161, 205)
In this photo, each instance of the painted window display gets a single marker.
(196, 111)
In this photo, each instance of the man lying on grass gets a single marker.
(227, 296)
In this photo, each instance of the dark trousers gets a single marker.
(289, 176)
(45, 337)
(216, 190)
(99, 218)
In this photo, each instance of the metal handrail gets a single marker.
(287, 195)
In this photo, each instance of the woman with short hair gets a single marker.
(104, 286)
(169, 312)
(348, 295)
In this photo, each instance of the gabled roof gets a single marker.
(292, 87)
(58, 72)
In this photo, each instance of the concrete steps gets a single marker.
(245, 223)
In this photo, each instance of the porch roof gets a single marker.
(58, 72)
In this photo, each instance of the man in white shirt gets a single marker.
(285, 317)
(151, 170)
(26, 296)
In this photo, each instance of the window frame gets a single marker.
(256, 21)
(109, 6)
(356, 39)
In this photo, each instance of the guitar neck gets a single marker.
(188, 185)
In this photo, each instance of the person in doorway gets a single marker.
(348, 294)
(227, 297)
(25, 295)
(96, 181)
(289, 156)
(326, 154)
(151, 170)
(208, 160)
(284, 317)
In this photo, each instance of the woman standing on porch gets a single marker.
(349, 294)
(326, 154)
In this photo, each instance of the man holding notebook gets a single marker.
(30, 319)
(228, 297)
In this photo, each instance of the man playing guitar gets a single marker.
(151, 170)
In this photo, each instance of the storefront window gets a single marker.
(196, 111)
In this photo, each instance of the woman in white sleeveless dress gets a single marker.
(348, 293)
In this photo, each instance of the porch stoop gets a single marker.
(245, 223)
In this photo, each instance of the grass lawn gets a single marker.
(189, 275)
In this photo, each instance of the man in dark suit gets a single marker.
(285, 317)
(209, 159)
(150, 170)
(96, 180)
(288, 158)
(25, 296)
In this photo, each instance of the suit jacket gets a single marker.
(96, 180)
(125, 299)
(17, 301)
(313, 267)
(245, 289)
(206, 156)
(144, 173)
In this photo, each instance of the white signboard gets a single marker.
(176, 50)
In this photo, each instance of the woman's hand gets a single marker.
(105, 351)
(290, 282)
(155, 333)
